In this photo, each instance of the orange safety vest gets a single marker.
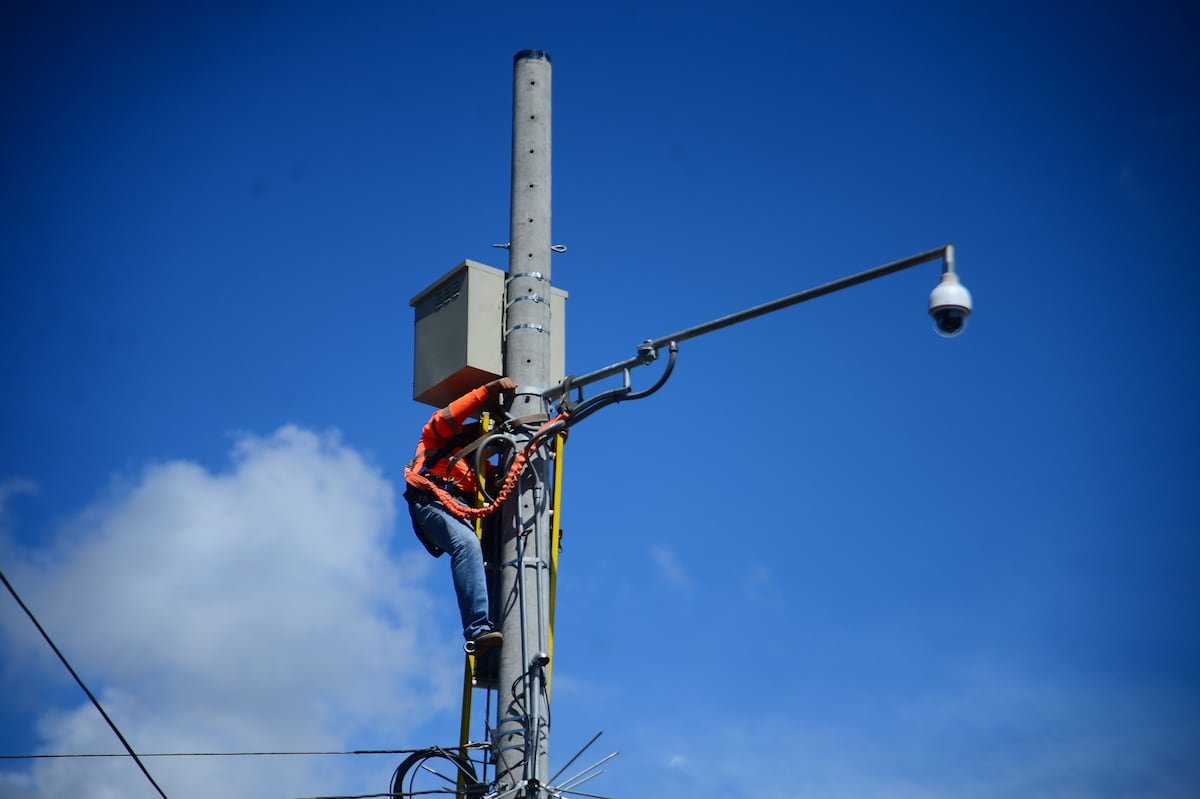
(444, 436)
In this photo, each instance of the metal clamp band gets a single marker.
(534, 275)
(527, 298)
(530, 325)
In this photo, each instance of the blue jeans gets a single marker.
(435, 525)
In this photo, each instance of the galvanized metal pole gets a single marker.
(522, 734)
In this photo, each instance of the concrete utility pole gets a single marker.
(522, 734)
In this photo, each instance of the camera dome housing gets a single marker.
(949, 306)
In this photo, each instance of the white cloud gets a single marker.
(680, 762)
(670, 567)
(249, 610)
(988, 733)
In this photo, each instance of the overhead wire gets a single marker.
(90, 695)
(219, 754)
(361, 795)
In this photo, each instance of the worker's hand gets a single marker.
(501, 384)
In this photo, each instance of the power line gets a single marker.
(443, 792)
(219, 754)
(90, 695)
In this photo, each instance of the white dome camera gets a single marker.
(949, 305)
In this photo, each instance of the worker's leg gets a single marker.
(466, 564)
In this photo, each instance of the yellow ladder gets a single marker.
(480, 673)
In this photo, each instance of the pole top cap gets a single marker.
(535, 55)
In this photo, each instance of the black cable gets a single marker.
(219, 754)
(360, 796)
(90, 695)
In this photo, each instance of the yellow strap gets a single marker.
(555, 542)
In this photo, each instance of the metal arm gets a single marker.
(647, 351)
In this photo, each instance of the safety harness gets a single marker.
(418, 480)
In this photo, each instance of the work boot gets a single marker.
(491, 639)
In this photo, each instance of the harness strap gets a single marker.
(420, 481)
(535, 418)
(462, 453)
(448, 452)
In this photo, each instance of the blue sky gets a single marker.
(835, 556)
